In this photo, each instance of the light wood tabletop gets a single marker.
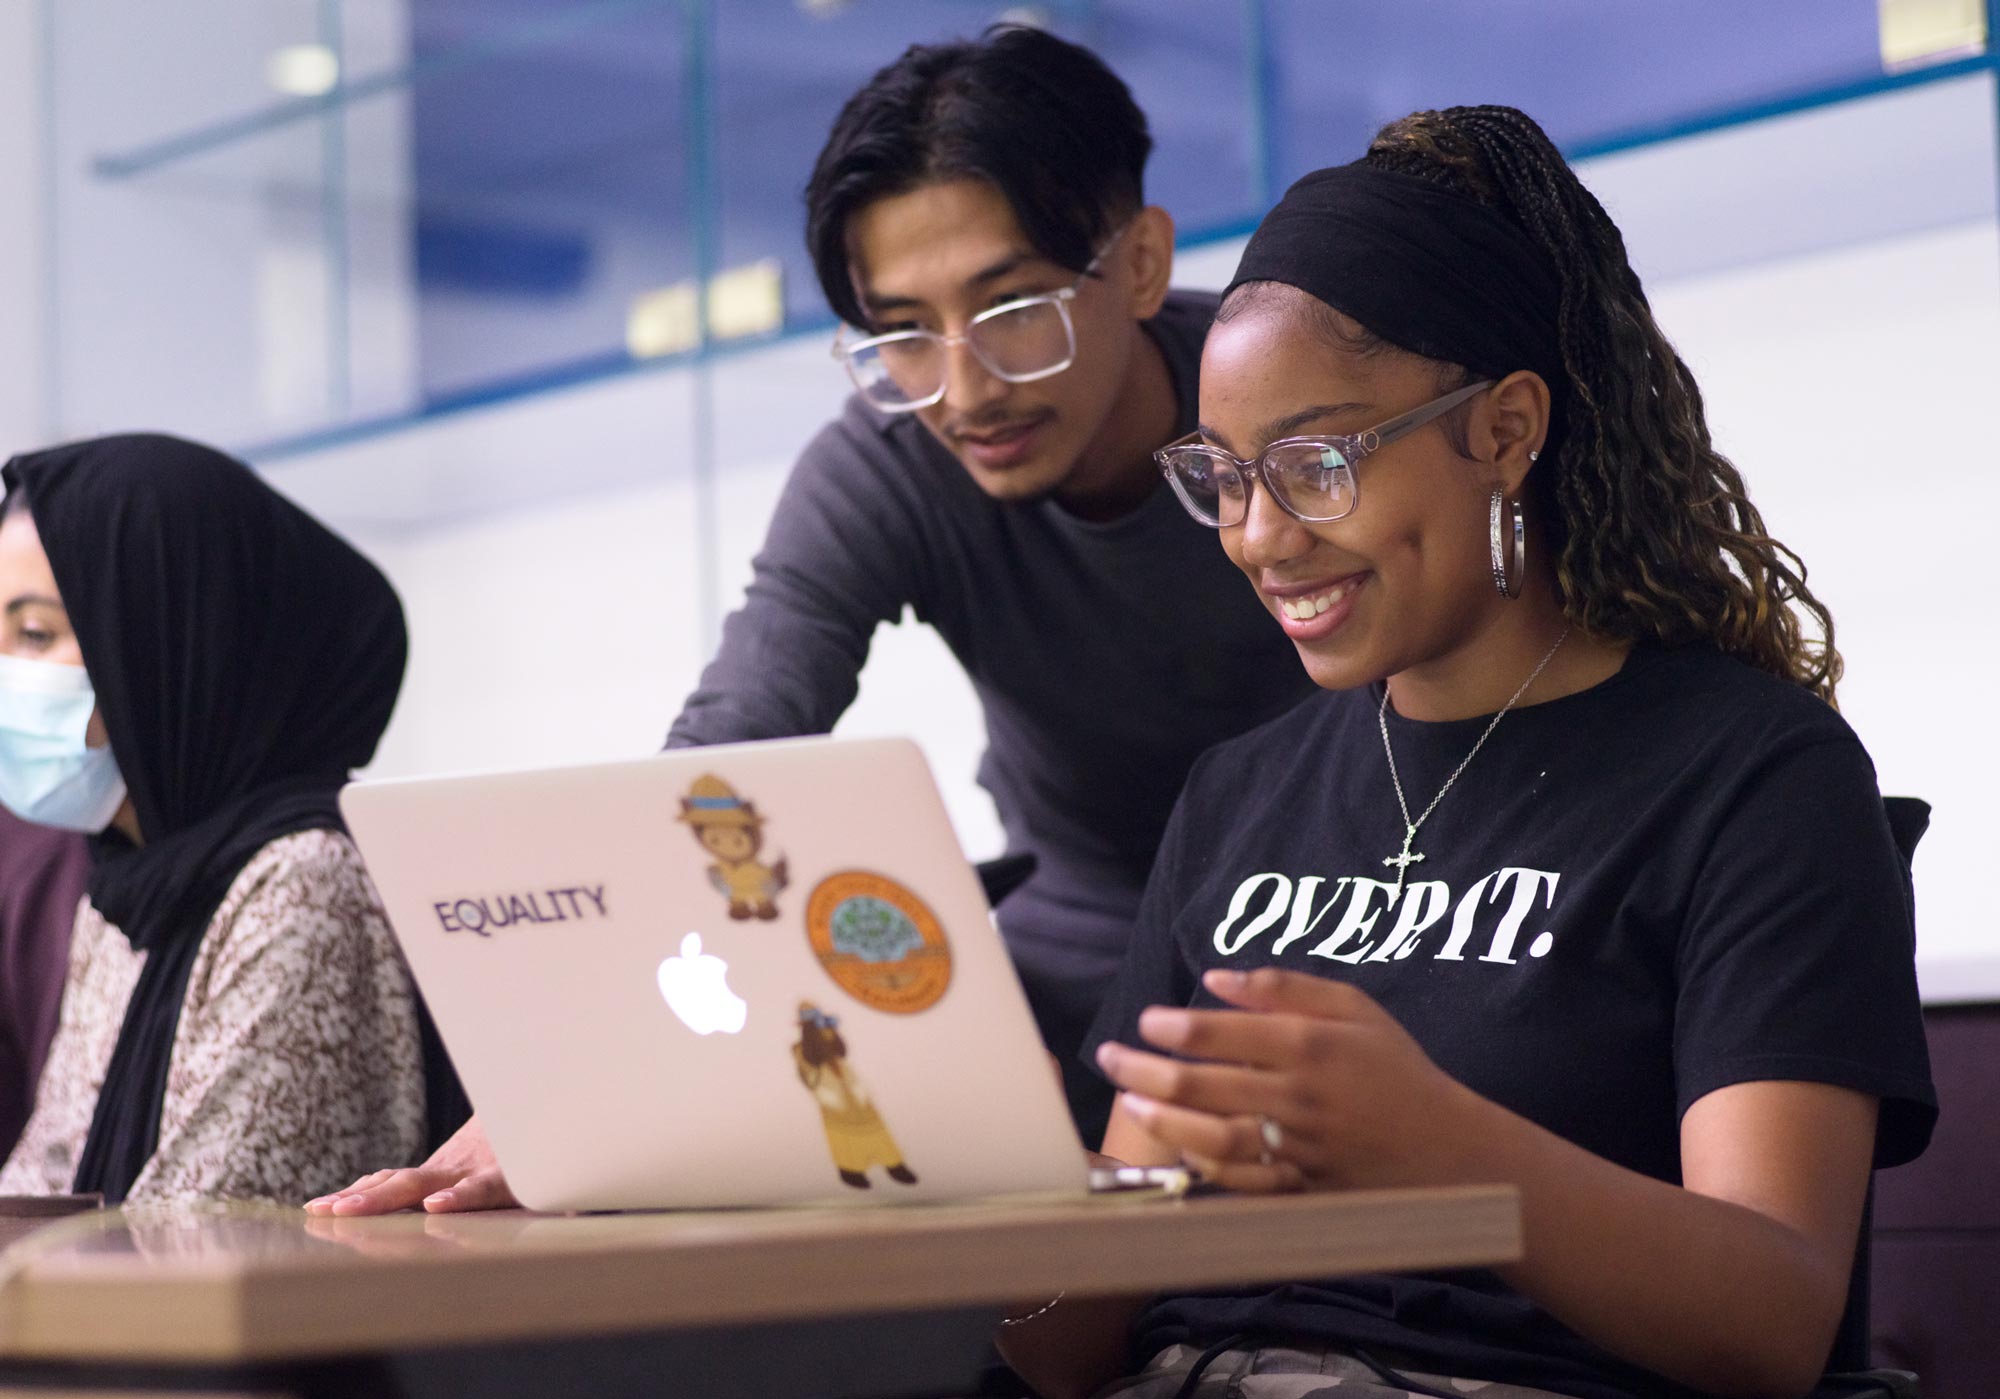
(234, 1284)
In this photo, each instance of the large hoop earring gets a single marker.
(1508, 584)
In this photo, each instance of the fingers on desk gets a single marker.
(461, 1175)
(383, 1192)
(483, 1189)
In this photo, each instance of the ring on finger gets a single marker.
(1273, 1138)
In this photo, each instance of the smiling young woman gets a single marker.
(1571, 878)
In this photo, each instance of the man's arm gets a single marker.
(845, 552)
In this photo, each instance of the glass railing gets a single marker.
(280, 218)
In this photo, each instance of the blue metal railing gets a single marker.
(698, 128)
(1772, 108)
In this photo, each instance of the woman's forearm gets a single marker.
(1081, 1344)
(1715, 1294)
(1073, 1349)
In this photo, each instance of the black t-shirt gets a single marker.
(1679, 879)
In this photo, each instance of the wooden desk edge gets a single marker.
(256, 1311)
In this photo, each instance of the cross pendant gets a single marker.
(1403, 861)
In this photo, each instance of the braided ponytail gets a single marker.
(1653, 531)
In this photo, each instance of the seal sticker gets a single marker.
(879, 941)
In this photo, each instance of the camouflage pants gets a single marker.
(1286, 1372)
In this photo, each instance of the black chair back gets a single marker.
(1909, 818)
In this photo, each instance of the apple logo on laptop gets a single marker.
(696, 988)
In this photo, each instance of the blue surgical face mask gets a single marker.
(48, 773)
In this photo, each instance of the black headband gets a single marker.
(1424, 268)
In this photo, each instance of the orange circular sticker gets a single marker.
(879, 942)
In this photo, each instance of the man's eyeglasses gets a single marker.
(1021, 341)
(1311, 478)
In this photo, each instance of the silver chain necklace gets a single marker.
(1403, 861)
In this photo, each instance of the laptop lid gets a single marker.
(744, 975)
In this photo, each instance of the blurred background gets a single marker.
(513, 292)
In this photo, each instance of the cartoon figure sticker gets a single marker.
(730, 829)
(879, 942)
(856, 1136)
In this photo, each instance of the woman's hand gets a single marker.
(461, 1175)
(1349, 1097)
(1731, 1282)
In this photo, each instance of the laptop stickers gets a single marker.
(879, 942)
(730, 829)
(856, 1136)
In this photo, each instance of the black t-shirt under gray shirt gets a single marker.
(1107, 657)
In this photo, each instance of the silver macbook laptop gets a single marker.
(745, 975)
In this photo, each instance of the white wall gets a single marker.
(22, 384)
(1853, 389)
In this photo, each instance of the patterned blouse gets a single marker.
(296, 1064)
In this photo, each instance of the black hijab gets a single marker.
(245, 659)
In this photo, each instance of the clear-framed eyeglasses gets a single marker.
(1310, 478)
(1020, 341)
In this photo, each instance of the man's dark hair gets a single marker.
(1042, 120)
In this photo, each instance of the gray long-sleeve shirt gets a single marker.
(1107, 656)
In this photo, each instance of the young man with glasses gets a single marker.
(977, 218)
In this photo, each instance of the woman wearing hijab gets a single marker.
(1571, 878)
(190, 668)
